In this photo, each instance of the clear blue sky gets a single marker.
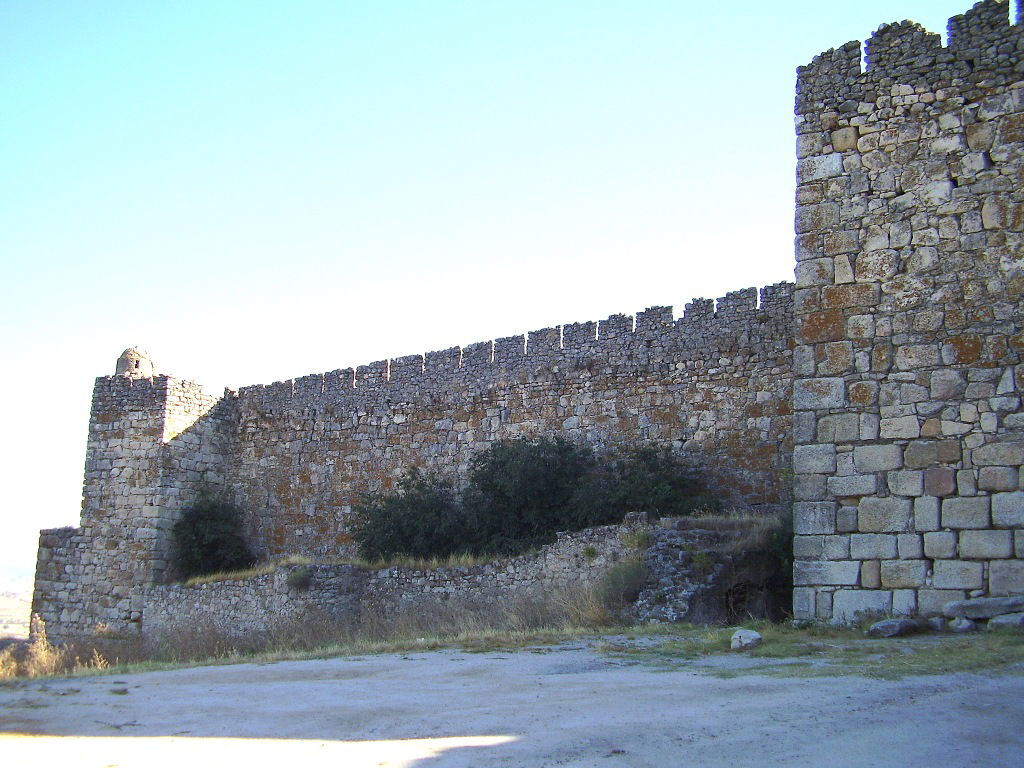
(258, 190)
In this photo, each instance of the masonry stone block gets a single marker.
(872, 546)
(904, 574)
(904, 602)
(813, 394)
(999, 454)
(1006, 577)
(837, 548)
(871, 574)
(808, 547)
(901, 427)
(853, 485)
(986, 545)
(877, 458)
(907, 483)
(884, 515)
(810, 459)
(947, 384)
(998, 479)
(965, 512)
(932, 602)
(825, 572)
(803, 603)
(926, 513)
(911, 546)
(814, 517)
(957, 574)
(1008, 509)
(940, 481)
(849, 605)
(940, 545)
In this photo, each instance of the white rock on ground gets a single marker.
(745, 639)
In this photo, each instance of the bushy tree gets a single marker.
(422, 518)
(521, 492)
(208, 539)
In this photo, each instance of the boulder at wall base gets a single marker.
(961, 625)
(983, 607)
(892, 628)
(745, 640)
(1007, 620)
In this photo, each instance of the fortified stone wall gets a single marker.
(894, 367)
(909, 321)
(715, 384)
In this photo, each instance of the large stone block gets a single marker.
(814, 394)
(986, 545)
(877, 458)
(931, 602)
(957, 574)
(803, 603)
(904, 574)
(814, 459)
(940, 545)
(1008, 509)
(853, 485)
(825, 572)
(848, 605)
(811, 517)
(983, 607)
(888, 515)
(1010, 454)
(966, 512)
(872, 546)
(1006, 577)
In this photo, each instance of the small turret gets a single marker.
(135, 363)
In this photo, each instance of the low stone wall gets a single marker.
(348, 593)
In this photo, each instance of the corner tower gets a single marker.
(909, 320)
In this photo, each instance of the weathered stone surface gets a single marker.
(745, 640)
(1008, 509)
(877, 458)
(872, 546)
(853, 485)
(1006, 577)
(838, 572)
(1006, 621)
(904, 574)
(940, 545)
(931, 602)
(814, 459)
(886, 515)
(967, 512)
(848, 605)
(983, 607)
(1006, 454)
(957, 574)
(814, 517)
(986, 545)
(811, 394)
(892, 628)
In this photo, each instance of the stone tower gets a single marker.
(909, 321)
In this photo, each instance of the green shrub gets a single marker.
(208, 538)
(622, 584)
(423, 519)
(521, 492)
(646, 479)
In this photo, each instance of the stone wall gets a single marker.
(714, 384)
(894, 367)
(347, 594)
(908, 320)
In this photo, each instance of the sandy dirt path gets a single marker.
(568, 706)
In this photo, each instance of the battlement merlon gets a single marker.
(704, 323)
(983, 46)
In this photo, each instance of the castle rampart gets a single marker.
(882, 393)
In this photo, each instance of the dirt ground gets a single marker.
(560, 706)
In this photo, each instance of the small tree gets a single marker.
(208, 539)
(422, 519)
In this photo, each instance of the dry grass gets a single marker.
(747, 530)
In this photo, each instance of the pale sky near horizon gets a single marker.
(259, 190)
